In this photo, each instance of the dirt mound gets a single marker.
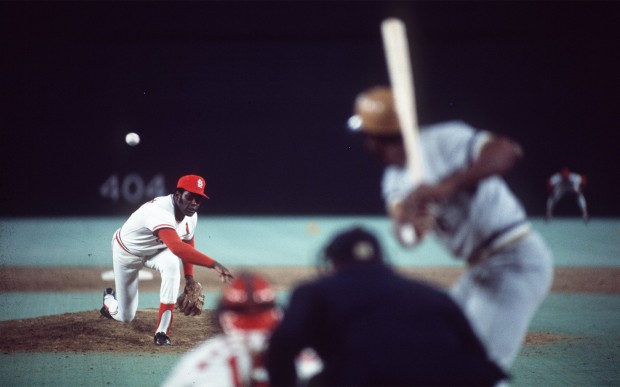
(89, 332)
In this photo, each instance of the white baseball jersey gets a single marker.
(234, 359)
(223, 360)
(137, 235)
(573, 182)
(470, 221)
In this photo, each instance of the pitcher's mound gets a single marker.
(89, 332)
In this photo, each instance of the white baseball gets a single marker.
(407, 235)
(132, 139)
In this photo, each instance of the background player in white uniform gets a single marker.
(247, 313)
(472, 212)
(155, 236)
(563, 183)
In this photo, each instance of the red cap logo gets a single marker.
(194, 184)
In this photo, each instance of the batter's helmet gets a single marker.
(248, 303)
(375, 113)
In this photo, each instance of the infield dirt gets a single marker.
(89, 332)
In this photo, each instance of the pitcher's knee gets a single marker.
(170, 269)
(171, 278)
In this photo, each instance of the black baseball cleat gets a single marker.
(104, 309)
(162, 339)
(104, 312)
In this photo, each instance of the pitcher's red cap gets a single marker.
(194, 184)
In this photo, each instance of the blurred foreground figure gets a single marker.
(372, 327)
(471, 211)
(247, 313)
(565, 183)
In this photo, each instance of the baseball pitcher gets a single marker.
(155, 236)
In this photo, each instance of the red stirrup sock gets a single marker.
(164, 321)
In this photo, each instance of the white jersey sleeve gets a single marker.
(446, 148)
(555, 179)
(575, 180)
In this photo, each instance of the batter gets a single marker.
(155, 236)
(469, 208)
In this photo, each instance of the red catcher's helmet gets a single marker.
(565, 173)
(248, 303)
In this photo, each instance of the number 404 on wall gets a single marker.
(132, 188)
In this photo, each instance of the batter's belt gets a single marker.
(500, 241)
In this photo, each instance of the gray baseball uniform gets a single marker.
(511, 269)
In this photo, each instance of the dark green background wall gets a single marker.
(255, 96)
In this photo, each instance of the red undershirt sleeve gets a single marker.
(185, 251)
(188, 268)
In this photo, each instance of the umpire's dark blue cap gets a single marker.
(353, 246)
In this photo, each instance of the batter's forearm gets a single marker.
(497, 157)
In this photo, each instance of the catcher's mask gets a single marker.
(248, 303)
(354, 246)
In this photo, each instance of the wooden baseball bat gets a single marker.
(396, 46)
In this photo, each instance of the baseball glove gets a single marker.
(192, 299)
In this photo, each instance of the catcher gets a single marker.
(155, 236)
(247, 313)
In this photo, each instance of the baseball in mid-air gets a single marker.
(407, 235)
(132, 139)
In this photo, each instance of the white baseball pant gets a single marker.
(126, 269)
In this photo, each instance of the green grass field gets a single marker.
(586, 354)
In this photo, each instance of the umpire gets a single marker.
(372, 327)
